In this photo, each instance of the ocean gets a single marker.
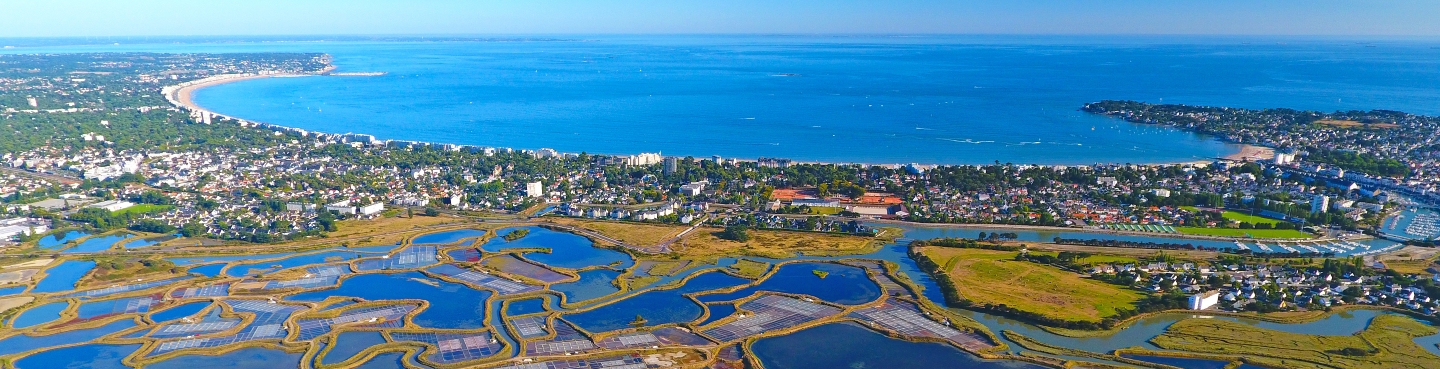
(878, 100)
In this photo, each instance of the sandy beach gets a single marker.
(184, 95)
(1252, 153)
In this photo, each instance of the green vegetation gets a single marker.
(109, 269)
(1244, 233)
(139, 209)
(516, 234)
(750, 268)
(991, 278)
(1364, 163)
(1387, 343)
(737, 233)
(820, 273)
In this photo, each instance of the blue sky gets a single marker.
(47, 18)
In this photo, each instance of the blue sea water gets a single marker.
(926, 99)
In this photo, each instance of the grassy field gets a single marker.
(1244, 233)
(1387, 343)
(750, 268)
(1097, 259)
(1239, 217)
(825, 210)
(778, 244)
(143, 209)
(991, 277)
(632, 233)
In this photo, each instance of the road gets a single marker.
(50, 177)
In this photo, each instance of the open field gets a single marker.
(777, 244)
(1411, 259)
(143, 209)
(30, 263)
(750, 268)
(1387, 343)
(1120, 252)
(632, 233)
(1354, 124)
(13, 302)
(991, 277)
(1244, 233)
(1239, 217)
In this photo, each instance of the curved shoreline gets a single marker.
(182, 96)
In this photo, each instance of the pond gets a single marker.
(97, 244)
(22, 343)
(246, 358)
(842, 284)
(527, 306)
(208, 270)
(193, 260)
(656, 307)
(447, 237)
(56, 240)
(387, 360)
(592, 284)
(348, 344)
(6, 291)
(85, 356)
(250, 269)
(452, 306)
(178, 311)
(147, 242)
(1187, 363)
(847, 345)
(566, 250)
(39, 315)
(718, 311)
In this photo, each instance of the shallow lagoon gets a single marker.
(527, 306)
(592, 284)
(63, 277)
(179, 311)
(452, 306)
(1187, 363)
(447, 237)
(387, 360)
(86, 356)
(566, 250)
(56, 240)
(843, 284)
(657, 306)
(350, 343)
(208, 270)
(24, 343)
(39, 315)
(718, 311)
(96, 244)
(12, 290)
(846, 345)
(241, 270)
(246, 358)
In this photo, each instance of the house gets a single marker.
(1204, 300)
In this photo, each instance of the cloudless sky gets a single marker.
(47, 18)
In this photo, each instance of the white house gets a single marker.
(1204, 300)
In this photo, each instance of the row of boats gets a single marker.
(1341, 247)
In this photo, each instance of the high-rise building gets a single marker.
(1319, 204)
(671, 164)
(535, 189)
(33, 102)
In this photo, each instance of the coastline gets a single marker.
(182, 96)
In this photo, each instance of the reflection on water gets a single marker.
(846, 345)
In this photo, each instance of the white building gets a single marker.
(1283, 158)
(1107, 181)
(33, 102)
(694, 188)
(342, 207)
(647, 158)
(372, 209)
(10, 228)
(298, 206)
(535, 189)
(1319, 204)
(1204, 300)
(1161, 192)
(112, 205)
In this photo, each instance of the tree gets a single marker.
(431, 212)
(737, 233)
